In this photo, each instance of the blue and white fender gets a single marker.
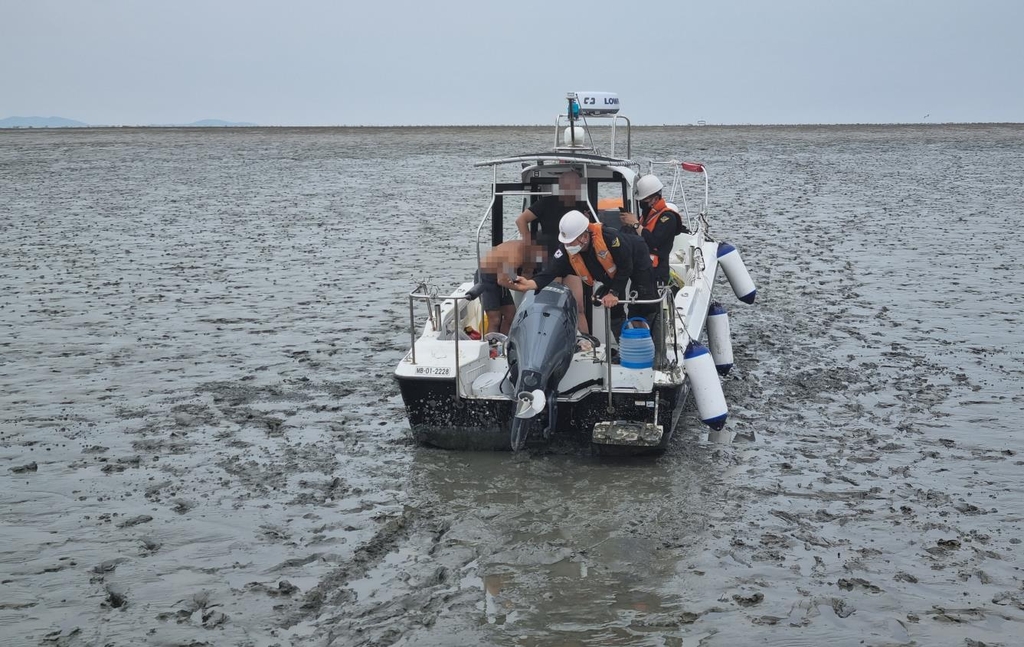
(719, 339)
(739, 278)
(705, 385)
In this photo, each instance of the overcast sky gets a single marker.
(387, 62)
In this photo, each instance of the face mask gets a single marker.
(574, 249)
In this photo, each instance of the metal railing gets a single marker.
(487, 212)
(434, 316)
(561, 122)
(665, 299)
(678, 168)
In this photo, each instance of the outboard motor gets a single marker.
(540, 346)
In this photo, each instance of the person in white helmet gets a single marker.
(658, 225)
(595, 253)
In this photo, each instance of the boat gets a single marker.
(464, 389)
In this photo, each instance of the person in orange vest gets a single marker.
(595, 253)
(658, 225)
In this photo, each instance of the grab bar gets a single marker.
(665, 293)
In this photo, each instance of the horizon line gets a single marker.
(241, 125)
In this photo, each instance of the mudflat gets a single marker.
(201, 441)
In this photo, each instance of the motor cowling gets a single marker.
(541, 339)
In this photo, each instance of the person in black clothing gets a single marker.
(658, 225)
(612, 259)
(548, 211)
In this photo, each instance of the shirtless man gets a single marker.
(498, 270)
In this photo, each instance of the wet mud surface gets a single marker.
(201, 442)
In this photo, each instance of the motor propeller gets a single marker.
(530, 403)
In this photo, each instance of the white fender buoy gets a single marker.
(706, 387)
(719, 340)
(739, 278)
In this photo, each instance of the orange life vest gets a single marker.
(600, 250)
(651, 220)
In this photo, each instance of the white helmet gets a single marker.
(647, 186)
(571, 226)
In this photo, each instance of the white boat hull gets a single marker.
(457, 395)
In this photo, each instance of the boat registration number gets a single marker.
(433, 370)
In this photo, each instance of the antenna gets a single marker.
(573, 114)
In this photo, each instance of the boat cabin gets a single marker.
(608, 179)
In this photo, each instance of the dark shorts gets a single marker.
(494, 296)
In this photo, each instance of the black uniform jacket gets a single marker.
(629, 252)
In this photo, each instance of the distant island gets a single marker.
(61, 122)
(41, 122)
